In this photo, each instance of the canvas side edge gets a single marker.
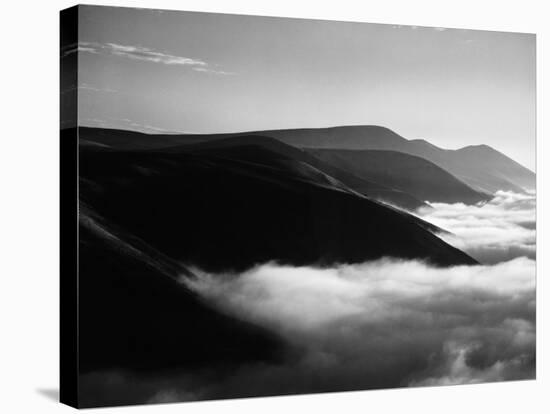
(68, 144)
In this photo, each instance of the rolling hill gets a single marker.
(271, 152)
(480, 167)
(419, 177)
(224, 214)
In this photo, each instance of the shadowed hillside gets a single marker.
(130, 301)
(419, 177)
(271, 152)
(223, 214)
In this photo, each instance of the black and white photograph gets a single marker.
(273, 206)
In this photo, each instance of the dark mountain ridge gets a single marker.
(481, 167)
(252, 148)
(223, 214)
(419, 177)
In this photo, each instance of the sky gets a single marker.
(171, 71)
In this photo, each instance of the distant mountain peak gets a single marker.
(482, 147)
(424, 142)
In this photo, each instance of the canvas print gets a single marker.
(273, 206)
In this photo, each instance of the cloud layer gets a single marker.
(500, 230)
(380, 324)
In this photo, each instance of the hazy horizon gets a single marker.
(189, 72)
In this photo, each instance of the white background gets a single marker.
(29, 207)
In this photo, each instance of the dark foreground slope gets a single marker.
(419, 177)
(136, 320)
(223, 214)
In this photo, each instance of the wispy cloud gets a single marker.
(147, 54)
(213, 71)
(124, 123)
(147, 127)
(143, 54)
(76, 47)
